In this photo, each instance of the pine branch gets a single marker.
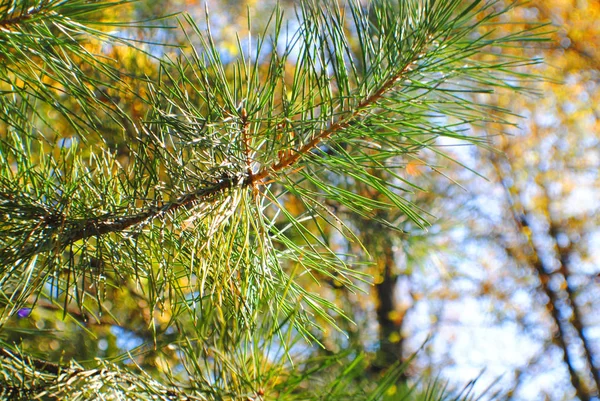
(73, 231)
(334, 129)
(195, 212)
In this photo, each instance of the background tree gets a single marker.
(171, 210)
(514, 261)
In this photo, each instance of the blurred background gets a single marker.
(505, 284)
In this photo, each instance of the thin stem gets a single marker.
(246, 140)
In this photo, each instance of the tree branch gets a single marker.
(72, 231)
(336, 127)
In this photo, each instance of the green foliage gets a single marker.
(185, 207)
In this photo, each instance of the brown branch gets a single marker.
(334, 128)
(246, 142)
(72, 231)
(92, 228)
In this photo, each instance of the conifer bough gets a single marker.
(186, 206)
